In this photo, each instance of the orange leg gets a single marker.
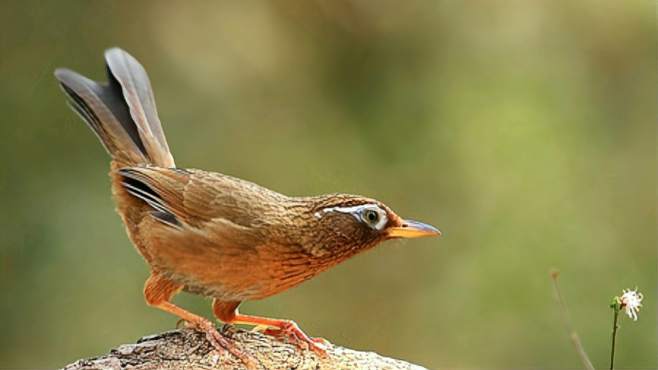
(228, 313)
(159, 290)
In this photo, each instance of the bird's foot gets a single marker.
(221, 343)
(290, 330)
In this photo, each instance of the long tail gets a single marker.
(122, 112)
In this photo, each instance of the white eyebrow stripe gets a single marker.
(354, 210)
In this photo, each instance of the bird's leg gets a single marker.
(159, 290)
(228, 313)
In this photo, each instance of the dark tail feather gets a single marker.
(138, 95)
(122, 112)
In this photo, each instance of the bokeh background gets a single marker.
(525, 130)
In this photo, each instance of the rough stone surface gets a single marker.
(187, 349)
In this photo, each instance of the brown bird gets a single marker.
(212, 234)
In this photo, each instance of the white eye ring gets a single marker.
(375, 217)
(362, 213)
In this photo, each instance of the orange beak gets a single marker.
(412, 229)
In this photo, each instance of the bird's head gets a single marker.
(350, 223)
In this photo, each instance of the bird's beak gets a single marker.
(412, 229)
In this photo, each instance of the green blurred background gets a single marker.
(525, 130)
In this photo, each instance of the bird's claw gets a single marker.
(220, 343)
(291, 330)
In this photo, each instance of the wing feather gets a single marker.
(201, 199)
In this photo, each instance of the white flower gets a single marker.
(631, 301)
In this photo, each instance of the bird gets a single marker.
(212, 234)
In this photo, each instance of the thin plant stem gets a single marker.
(614, 336)
(564, 310)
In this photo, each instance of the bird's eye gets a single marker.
(371, 216)
(374, 217)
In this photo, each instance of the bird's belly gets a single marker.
(243, 282)
(229, 272)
